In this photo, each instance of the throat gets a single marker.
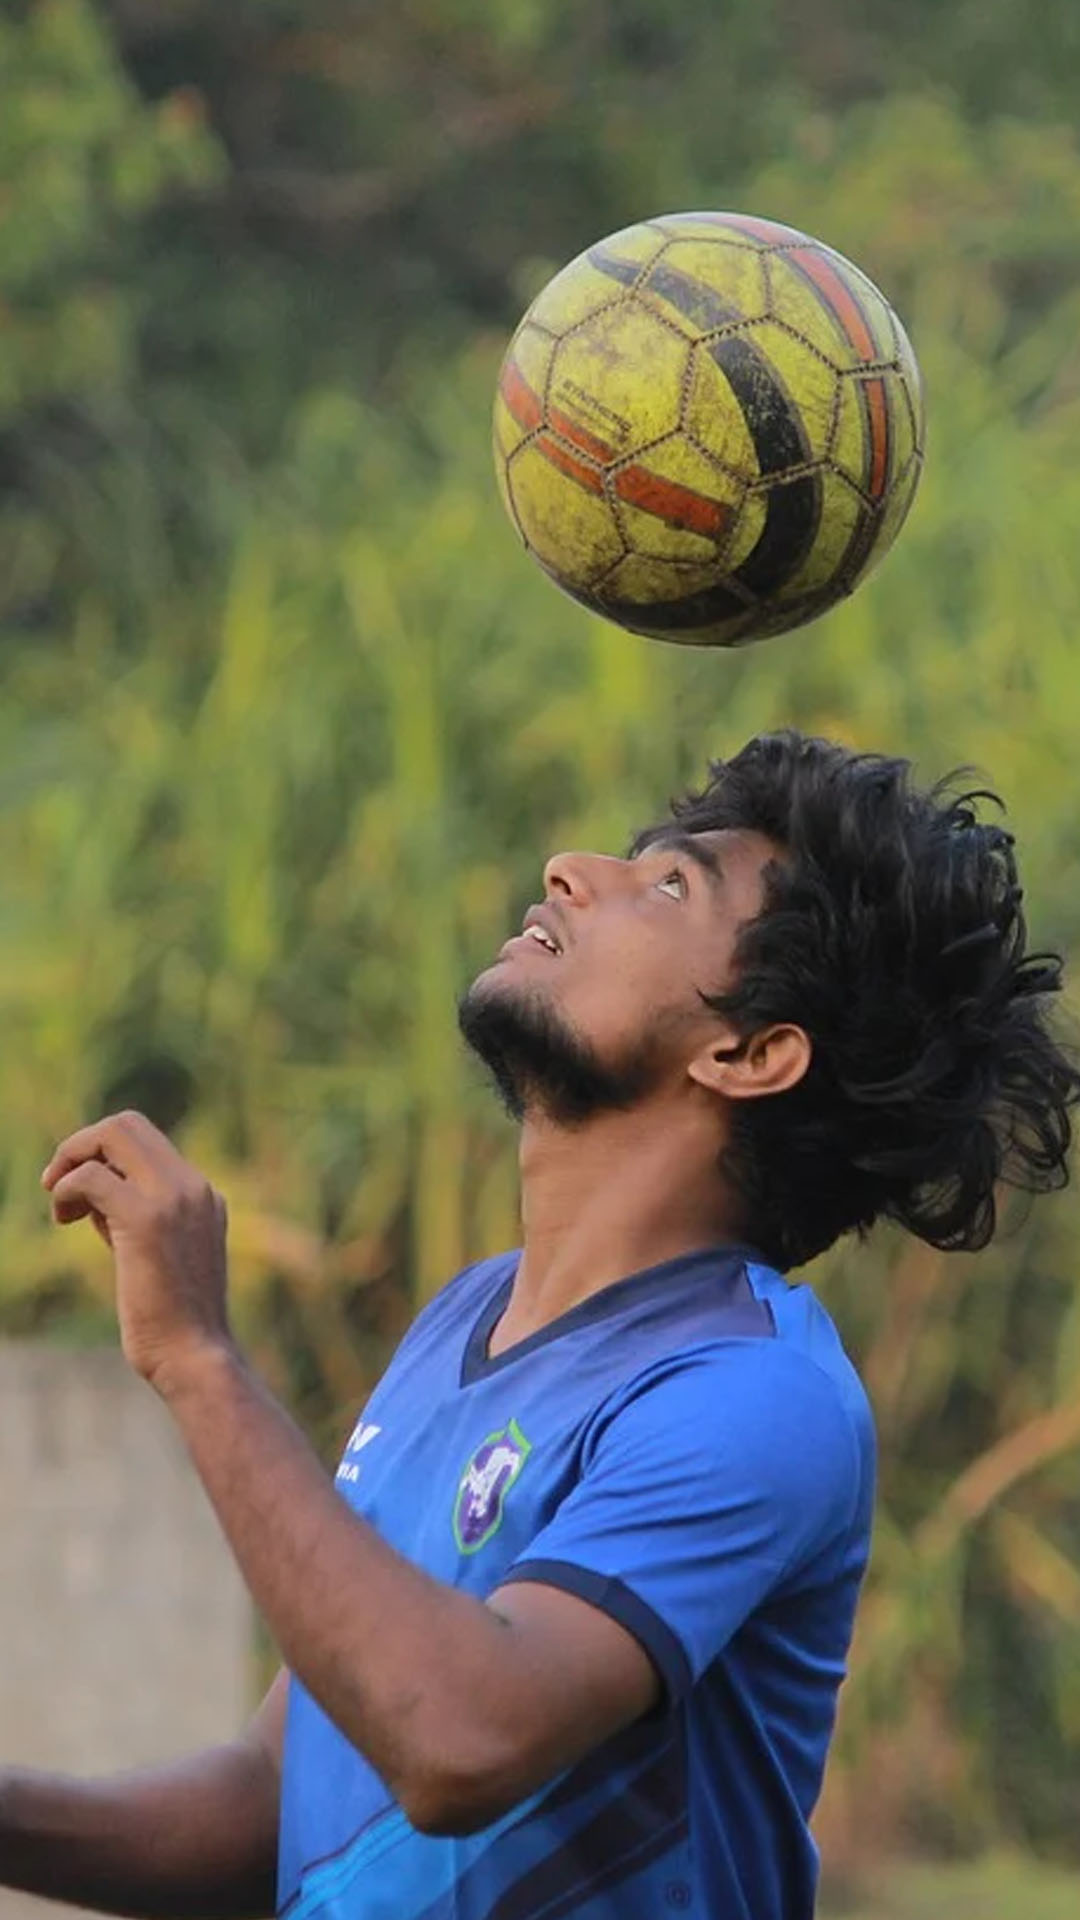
(608, 1200)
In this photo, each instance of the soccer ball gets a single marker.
(709, 428)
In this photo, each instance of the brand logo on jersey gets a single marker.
(361, 1436)
(484, 1485)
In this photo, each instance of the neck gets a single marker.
(621, 1193)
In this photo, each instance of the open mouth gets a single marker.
(542, 938)
(539, 929)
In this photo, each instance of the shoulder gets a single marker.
(808, 1342)
(718, 1384)
(458, 1302)
(755, 1418)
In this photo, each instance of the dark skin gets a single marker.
(198, 1837)
(464, 1707)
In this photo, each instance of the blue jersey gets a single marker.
(689, 1450)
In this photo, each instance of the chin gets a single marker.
(504, 982)
(537, 1058)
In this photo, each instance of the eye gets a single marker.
(674, 884)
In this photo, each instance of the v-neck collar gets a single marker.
(616, 1297)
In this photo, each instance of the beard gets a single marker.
(541, 1063)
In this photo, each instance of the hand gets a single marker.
(166, 1227)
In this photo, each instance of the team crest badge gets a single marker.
(484, 1485)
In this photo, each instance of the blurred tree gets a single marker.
(84, 162)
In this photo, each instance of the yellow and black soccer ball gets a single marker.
(709, 428)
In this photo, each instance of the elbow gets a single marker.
(444, 1817)
(447, 1802)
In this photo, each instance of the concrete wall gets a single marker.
(125, 1631)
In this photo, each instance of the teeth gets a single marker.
(537, 933)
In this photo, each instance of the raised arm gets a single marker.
(462, 1708)
(197, 1836)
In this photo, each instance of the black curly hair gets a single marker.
(892, 932)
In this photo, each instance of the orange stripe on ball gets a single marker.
(666, 500)
(843, 304)
(580, 437)
(877, 406)
(840, 298)
(523, 403)
(566, 460)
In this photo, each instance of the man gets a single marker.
(568, 1637)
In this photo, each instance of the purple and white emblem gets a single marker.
(484, 1485)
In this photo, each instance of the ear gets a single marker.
(769, 1061)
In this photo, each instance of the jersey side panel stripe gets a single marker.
(640, 1819)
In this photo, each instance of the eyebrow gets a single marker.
(694, 848)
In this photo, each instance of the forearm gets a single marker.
(462, 1707)
(199, 1837)
(421, 1678)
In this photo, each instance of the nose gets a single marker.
(578, 878)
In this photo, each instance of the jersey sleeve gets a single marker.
(717, 1480)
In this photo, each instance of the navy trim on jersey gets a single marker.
(641, 1818)
(617, 1297)
(616, 1599)
(642, 1823)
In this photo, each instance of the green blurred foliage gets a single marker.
(289, 724)
(1000, 1886)
(81, 160)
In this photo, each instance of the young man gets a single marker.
(568, 1637)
